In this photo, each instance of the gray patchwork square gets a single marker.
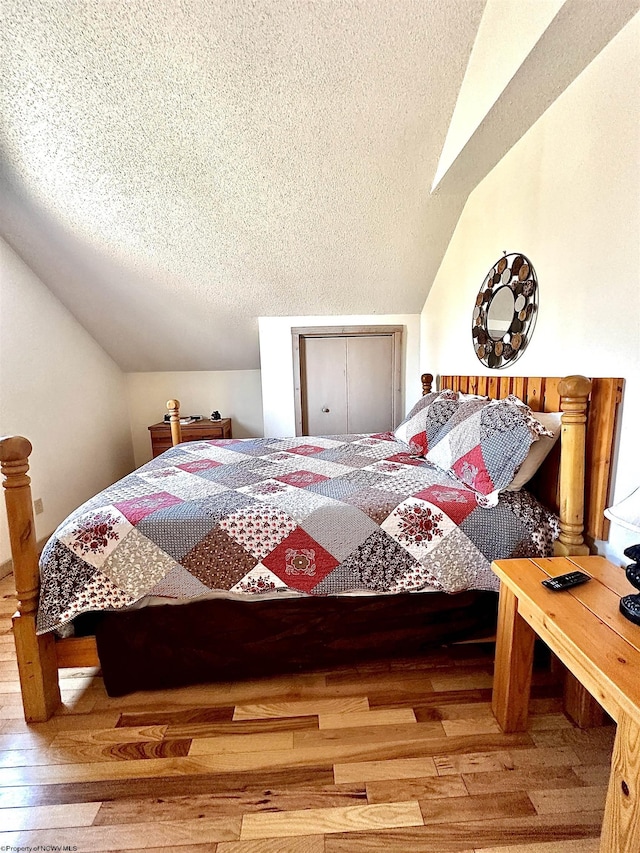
(504, 452)
(363, 477)
(339, 528)
(379, 449)
(495, 531)
(220, 506)
(338, 488)
(345, 439)
(176, 529)
(234, 476)
(342, 579)
(354, 460)
(299, 503)
(179, 583)
(254, 447)
(458, 564)
(376, 503)
(331, 454)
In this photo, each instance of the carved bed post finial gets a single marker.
(427, 382)
(574, 393)
(37, 664)
(174, 420)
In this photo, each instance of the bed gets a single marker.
(340, 470)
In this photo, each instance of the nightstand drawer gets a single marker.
(203, 430)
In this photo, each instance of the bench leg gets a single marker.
(579, 704)
(514, 665)
(621, 826)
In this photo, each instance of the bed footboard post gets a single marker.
(427, 383)
(574, 392)
(37, 663)
(174, 421)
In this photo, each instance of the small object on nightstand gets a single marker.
(186, 419)
(627, 514)
(215, 416)
(630, 604)
(567, 581)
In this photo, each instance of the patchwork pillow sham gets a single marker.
(484, 443)
(426, 419)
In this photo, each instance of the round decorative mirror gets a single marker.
(505, 311)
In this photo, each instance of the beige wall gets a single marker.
(567, 195)
(276, 361)
(60, 390)
(236, 394)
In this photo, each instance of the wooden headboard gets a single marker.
(542, 394)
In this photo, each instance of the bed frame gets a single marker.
(576, 484)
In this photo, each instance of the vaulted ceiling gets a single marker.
(174, 169)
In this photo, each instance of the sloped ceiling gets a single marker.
(174, 169)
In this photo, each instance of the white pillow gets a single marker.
(539, 450)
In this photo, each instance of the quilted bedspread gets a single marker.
(319, 516)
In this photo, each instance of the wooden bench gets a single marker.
(584, 628)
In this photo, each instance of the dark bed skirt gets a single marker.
(223, 640)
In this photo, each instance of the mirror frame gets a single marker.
(516, 271)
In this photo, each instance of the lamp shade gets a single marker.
(627, 512)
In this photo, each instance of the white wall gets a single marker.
(276, 362)
(234, 393)
(60, 390)
(567, 195)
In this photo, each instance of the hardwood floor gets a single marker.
(401, 757)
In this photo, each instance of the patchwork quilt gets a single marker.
(309, 516)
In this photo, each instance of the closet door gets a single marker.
(324, 378)
(347, 384)
(369, 371)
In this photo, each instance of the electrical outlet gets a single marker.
(38, 506)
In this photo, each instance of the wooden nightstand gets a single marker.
(197, 431)
(585, 629)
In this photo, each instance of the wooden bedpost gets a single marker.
(37, 663)
(574, 392)
(174, 420)
(427, 382)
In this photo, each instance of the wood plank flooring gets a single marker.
(401, 757)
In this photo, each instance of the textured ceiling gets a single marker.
(173, 169)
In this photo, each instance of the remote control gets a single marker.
(566, 581)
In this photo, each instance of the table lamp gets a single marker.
(627, 514)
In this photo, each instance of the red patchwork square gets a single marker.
(418, 443)
(135, 509)
(301, 479)
(471, 469)
(456, 503)
(198, 465)
(404, 459)
(300, 561)
(306, 449)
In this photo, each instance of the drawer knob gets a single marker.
(324, 409)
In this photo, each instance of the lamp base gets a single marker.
(633, 574)
(630, 608)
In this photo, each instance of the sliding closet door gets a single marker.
(348, 383)
(325, 386)
(369, 369)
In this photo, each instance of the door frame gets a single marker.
(298, 335)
